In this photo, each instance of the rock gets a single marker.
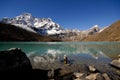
(17, 49)
(99, 77)
(83, 69)
(92, 68)
(119, 56)
(92, 76)
(51, 73)
(116, 63)
(78, 75)
(38, 59)
(14, 60)
(106, 77)
(14, 63)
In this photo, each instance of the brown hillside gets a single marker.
(12, 33)
(112, 33)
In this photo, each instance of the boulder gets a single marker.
(14, 64)
(116, 63)
(14, 60)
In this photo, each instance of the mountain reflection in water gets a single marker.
(54, 49)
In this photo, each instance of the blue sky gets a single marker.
(78, 14)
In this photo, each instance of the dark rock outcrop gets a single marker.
(14, 60)
(14, 64)
(12, 33)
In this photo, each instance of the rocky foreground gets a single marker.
(14, 63)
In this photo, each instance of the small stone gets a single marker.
(99, 77)
(78, 75)
(106, 77)
(92, 76)
(92, 68)
(119, 56)
(38, 59)
(51, 73)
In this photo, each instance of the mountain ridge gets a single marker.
(12, 33)
(52, 31)
(44, 26)
(111, 33)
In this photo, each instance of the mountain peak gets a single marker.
(47, 19)
(95, 26)
(26, 14)
(41, 26)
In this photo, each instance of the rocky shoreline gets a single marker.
(15, 61)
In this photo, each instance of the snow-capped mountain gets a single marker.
(75, 34)
(48, 26)
(44, 26)
(94, 29)
(102, 29)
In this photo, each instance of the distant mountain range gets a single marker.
(28, 28)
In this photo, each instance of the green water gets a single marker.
(47, 55)
(94, 49)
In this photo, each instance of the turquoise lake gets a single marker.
(95, 49)
(76, 51)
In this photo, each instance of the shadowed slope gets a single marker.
(12, 33)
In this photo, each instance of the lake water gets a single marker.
(77, 52)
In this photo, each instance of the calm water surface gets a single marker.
(76, 51)
(109, 49)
